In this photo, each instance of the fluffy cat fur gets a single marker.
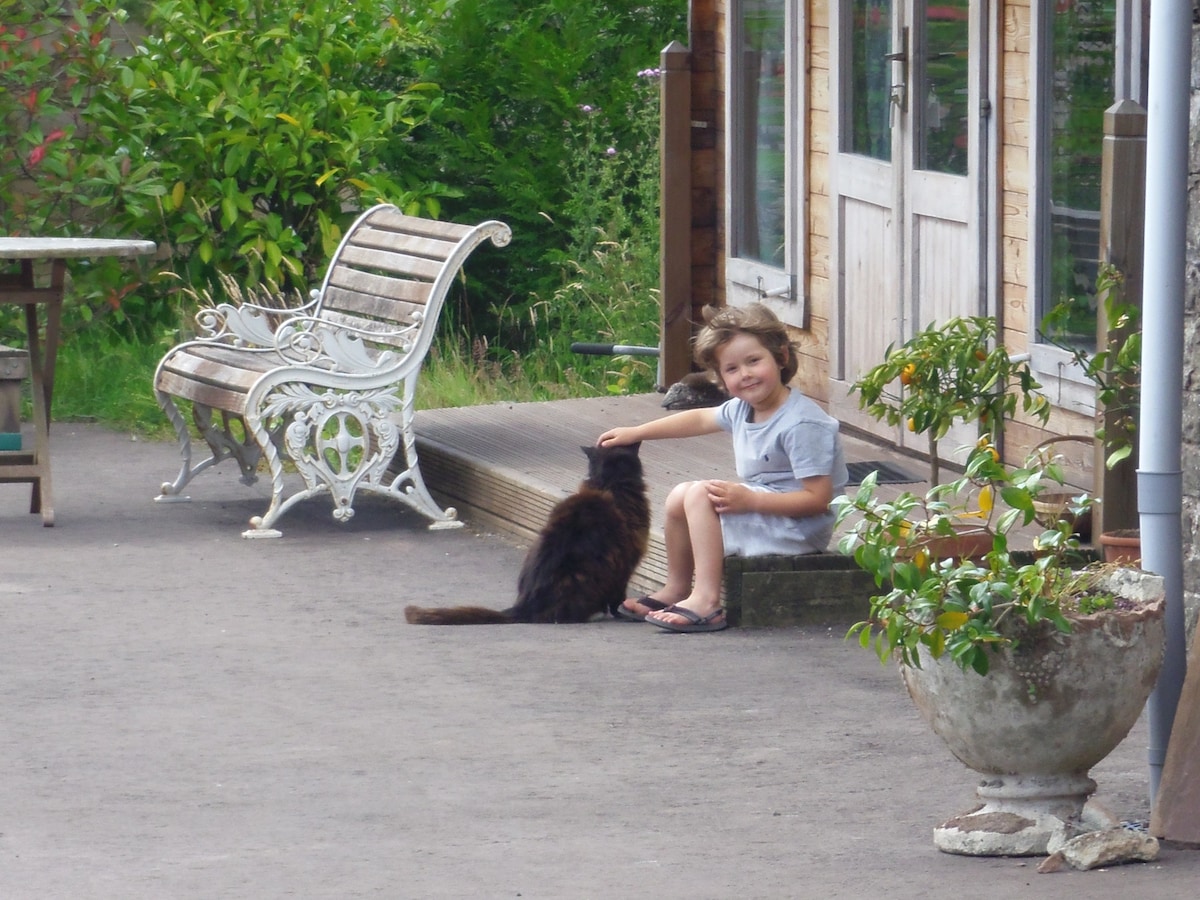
(584, 556)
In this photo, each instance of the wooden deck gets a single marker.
(504, 466)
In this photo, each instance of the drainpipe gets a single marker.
(1160, 480)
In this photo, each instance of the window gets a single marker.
(766, 242)
(1082, 45)
(1077, 86)
(868, 106)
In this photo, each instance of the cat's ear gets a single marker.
(589, 450)
(635, 447)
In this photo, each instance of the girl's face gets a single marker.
(749, 372)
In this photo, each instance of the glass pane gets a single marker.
(870, 80)
(1081, 88)
(940, 98)
(762, 108)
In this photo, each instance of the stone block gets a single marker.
(778, 591)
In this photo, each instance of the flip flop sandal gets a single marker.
(695, 624)
(629, 615)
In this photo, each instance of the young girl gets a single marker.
(788, 454)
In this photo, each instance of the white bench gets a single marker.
(322, 383)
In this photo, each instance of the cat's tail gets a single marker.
(456, 615)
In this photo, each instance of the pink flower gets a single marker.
(56, 135)
(37, 154)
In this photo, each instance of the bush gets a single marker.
(248, 170)
(531, 91)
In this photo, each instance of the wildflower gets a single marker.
(610, 152)
(37, 154)
(583, 107)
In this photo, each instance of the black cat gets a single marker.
(584, 556)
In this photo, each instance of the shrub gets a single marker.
(526, 86)
(248, 170)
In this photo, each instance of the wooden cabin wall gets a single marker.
(707, 45)
(817, 281)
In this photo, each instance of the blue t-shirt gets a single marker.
(800, 440)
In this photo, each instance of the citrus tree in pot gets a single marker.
(1031, 665)
(952, 372)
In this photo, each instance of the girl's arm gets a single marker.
(688, 423)
(812, 500)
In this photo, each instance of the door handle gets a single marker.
(898, 95)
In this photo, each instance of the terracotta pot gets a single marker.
(968, 542)
(1122, 546)
(1051, 707)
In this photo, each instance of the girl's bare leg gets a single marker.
(705, 554)
(679, 552)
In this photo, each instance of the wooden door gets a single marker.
(907, 181)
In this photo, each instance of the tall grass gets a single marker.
(102, 377)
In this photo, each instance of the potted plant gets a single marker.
(952, 372)
(1115, 370)
(1031, 665)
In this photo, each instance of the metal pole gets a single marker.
(1160, 480)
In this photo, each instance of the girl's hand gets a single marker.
(617, 437)
(730, 497)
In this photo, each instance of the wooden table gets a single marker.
(33, 466)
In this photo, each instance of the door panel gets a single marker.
(906, 237)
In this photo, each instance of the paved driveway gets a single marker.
(187, 714)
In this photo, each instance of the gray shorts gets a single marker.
(755, 534)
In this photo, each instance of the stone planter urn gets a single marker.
(1051, 706)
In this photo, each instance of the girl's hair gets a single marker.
(722, 325)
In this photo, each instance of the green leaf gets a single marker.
(951, 621)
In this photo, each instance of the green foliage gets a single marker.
(965, 607)
(232, 167)
(532, 92)
(950, 372)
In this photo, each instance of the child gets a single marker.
(787, 451)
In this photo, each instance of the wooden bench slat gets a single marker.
(400, 222)
(377, 239)
(200, 392)
(197, 368)
(351, 281)
(391, 262)
(400, 312)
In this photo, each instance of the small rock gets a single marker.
(1110, 847)
(1055, 862)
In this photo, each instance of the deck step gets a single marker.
(504, 466)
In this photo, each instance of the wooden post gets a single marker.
(675, 203)
(1122, 224)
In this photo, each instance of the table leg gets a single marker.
(41, 374)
